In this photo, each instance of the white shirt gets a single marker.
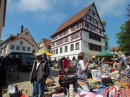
(38, 63)
(74, 62)
(128, 67)
(82, 65)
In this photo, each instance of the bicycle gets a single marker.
(12, 72)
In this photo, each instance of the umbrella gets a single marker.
(105, 54)
(42, 52)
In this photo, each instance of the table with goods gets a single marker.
(99, 84)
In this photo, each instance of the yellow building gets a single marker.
(2, 14)
(45, 45)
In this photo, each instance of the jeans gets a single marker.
(38, 88)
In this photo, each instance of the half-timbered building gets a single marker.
(83, 32)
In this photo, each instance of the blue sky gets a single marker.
(43, 17)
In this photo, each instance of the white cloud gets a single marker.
(105, 7)
(53, 17)
(111, 7)
(57, 16)
(31, 5)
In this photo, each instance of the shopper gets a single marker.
(40, 72)
(65, 65)
(2, 78)
(82, 66)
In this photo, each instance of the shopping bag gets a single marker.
(109, 90)
(125, 92)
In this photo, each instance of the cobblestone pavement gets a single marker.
(23, 81)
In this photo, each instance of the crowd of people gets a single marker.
(81, 64)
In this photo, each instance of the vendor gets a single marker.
(116, 65)
(82, 64)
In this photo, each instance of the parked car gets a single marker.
(22, 60)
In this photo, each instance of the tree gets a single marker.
(123, 37)
(105, 37)
(128, 14)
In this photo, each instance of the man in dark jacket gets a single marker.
(40, 72)
(2, 77)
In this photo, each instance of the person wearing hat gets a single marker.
(40, 72)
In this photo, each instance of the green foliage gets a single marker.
(105, 37)
(123, 37)
(128, 14)
(104, 23)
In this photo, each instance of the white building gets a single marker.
(23, 42)
(83, 32)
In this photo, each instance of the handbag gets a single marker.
(110, 89)
(65, 82)
(125, 93)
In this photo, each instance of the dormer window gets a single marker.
(26, 33)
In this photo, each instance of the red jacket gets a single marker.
(65, 63)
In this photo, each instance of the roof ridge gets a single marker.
(71, 20)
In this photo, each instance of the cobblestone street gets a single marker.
(23, 81)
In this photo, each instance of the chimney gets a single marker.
(17, 34)
(10, 35)
(22, 28)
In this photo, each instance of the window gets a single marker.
(33, 51)
(90, 36)
(95, 47)
(99, 38)
(23, 48)
(73, 28)
(74, 36)
(66, 39)
(99, 48)
(26, 33)
(71, 47)
(17, 47)
(78, 25)
(12, 47)
(77, 46)
(90, 46)
(66, 49)
(87, 25)
(78, 34)
(21, 42)
(61, 50)
(95, 37)
(56, 51)
(28, 48)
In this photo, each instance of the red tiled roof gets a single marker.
(114, 49)
(74, 19)
(46, 42)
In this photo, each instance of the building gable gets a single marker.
(92, 22)
(73, 20)
(93, 13)
(26, 34)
